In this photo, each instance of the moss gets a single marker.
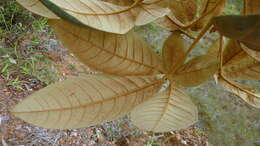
(226, 118)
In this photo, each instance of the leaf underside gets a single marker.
(198, 70)
(108, 53)
(85, 101)
(238, 65)
(252, 6)
(38, 8)
(110, 16)
(173, 51)
(170, 110)
(245, 29)
(242, 91)
(253, 53)
(184, 10)
(150, 13)
(210, 8)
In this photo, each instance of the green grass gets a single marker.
(21, 55)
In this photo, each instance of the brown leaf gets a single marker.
(109, 53)
(251, 6)
(170, 110)
(231, 49)
(248, 96)
(184, 10)
(97, 14)
(120, 2)
(253, 53)
(210, 9)
(245, 29)
(237, 65)
(173, 52)
(85, 101)
(242, 67)
(150, 13)
(166, 23)
(38, 8)
(106, 16)
(197, 70)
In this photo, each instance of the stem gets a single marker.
(201, 34)
(221, 53)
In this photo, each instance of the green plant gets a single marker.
(16, 83)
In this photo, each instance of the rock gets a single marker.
(54, 45)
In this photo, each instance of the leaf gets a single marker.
(197, 70)
(150, 13)
(120, 2)
(242, 67)
(151, 1)
(252, 6)
(252, 53)
(95, 13)
(109, 53)
(248, 96)
(106, 16)
(237, 65)
(169, 110)
(245, 29)
(172, 25)
(210, 9)
(183, 10)
(231, 49)
(85, 101)
(166, 23)
(38, 8)
(173, 51)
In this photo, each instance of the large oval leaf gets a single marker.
(251, 97)
(106, 16)
(170, 110)
(94, 13)
(38, 8)
(84, 101)
(109, 53)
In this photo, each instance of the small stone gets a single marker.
(184, 142)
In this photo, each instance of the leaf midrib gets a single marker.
(112, 53)
(92, 104)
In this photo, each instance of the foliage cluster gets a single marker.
(134, 79)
